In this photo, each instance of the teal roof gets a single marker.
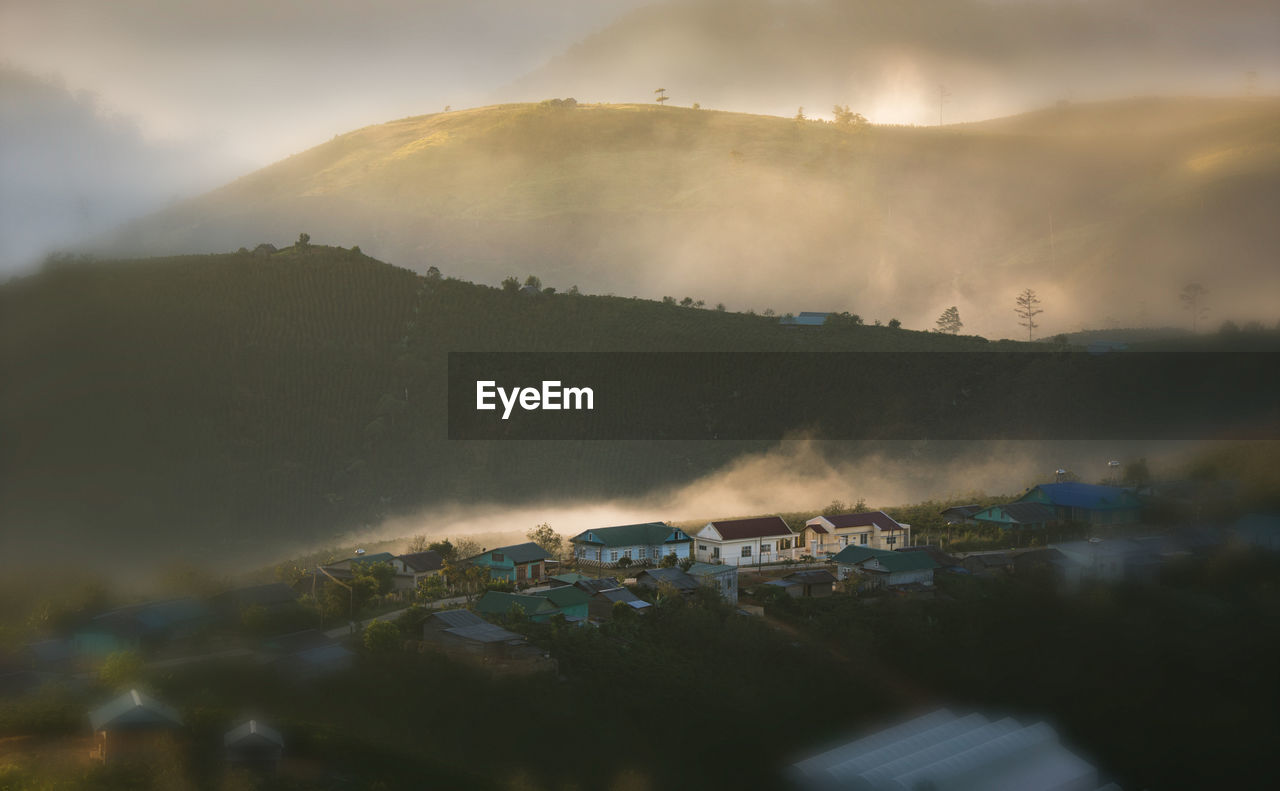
(568, 596)
(499, 603)
(377, 557)
(1090, 496)
(706, 569)
(905, 561)
(570, 578)
(527, 552)
(857, 554)
(648, 533)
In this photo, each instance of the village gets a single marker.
(494, 610)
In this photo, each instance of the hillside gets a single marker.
(228, 406)
(1107, 210)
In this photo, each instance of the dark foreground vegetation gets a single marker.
(1144, 680)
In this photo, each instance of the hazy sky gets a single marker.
(257, 80)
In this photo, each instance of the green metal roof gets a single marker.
(499, 603)
(519, 553)
(857, 554)
(570, 578)
(705, 569)
(567, 596)
(649, 533)
(905, 561)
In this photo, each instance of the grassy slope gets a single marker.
(215, 404)
(762, 211)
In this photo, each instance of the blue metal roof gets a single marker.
(1094, 497)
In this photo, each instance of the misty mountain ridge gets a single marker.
(1105, 209)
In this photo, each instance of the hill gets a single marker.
(228, 406)
(1107, 210)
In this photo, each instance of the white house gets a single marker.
(745, 542)
(652, 541)
(824, 535)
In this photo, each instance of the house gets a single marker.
(960, 514)
(946, 752)
(519, 563)
(1087, 503)
(403, 578)
(676, 578)
(652, 541)
(571, 578)
(539, 608)
(745, 542)
(1019, 515)
(883, 568)
(462, 631)
(133, 727)
(592, 585)
(253, 745)
(142, 626)
(421, 565)
(1109, 560)
(603, 602)
(804, 319)
(827, 535)
(943, 560)
(723, 578)
(806, 584)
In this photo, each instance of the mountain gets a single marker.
(229, 406)
(1107, 209)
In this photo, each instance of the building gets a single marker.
(307, 653)
(464, 632)
(651, 541)
(827, 535)
(133, 727)
(805, 318)
(881, 568)
(676, 578)
(540, 607)
(142, 626)
(1087, 503)
(603, 602)
(519, 563)
(806, 584)
(945, 752)
(745, 542)
(960, 514)
(254, 745)
(723, 578)
(421, 565)
(1019, 515)
(996, 561)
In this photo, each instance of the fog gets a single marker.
(796, 476)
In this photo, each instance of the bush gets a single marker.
(381, 637)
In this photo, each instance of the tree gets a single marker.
(466, 548)
(381, 637)
(573, 290)
(510, 284)
(433, 273)
(444, 548)
(846, 117)
(551, 542)
(686, 563)
(417, 544)
(669, 560)
(432, 588)
(1027, 310)
(1137, 473)
(661, 94)
(800, 114)
(687, 302)
(304, 241)
(1193, 298)
(894, 324)
(533, 280)
(696, 106)
(949, 322)
(623, 562)
(668, 300)
(720, 307)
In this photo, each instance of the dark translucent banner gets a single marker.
(846, 395)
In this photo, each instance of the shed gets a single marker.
(254, 745)
(132, 727)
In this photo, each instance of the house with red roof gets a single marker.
(745, 542)
(827, 535)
